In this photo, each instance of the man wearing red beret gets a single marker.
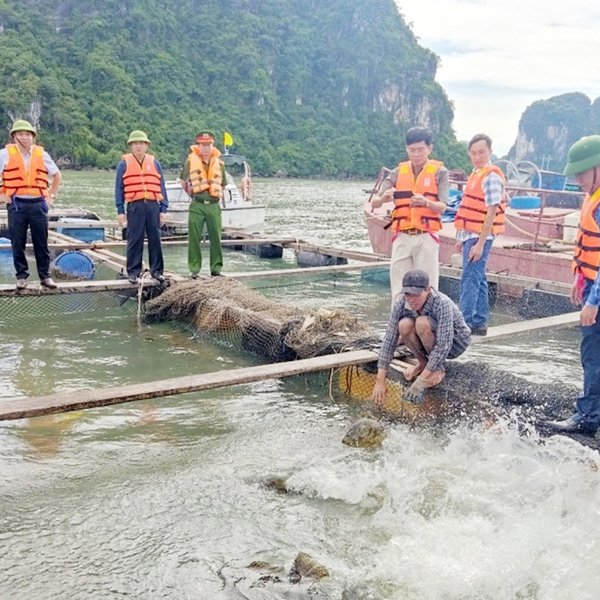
(203, 178)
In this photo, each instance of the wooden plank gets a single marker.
(513, 329)
(68, 401)
(255, 241)
(518, 281)
(273, 273)
(73, 287)
(339, 252)
(84, 224)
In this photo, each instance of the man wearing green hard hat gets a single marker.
(203, 177)
(583, 164)
(26, 170)
(141, 201)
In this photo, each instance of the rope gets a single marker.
(539, 237)
(140, 305)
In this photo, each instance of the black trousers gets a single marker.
(22, 215)
(143, 220)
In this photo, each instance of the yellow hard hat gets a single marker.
(22, 125)
(138, 136)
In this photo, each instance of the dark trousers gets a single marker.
(143, 219)
(33, 215)
(588, 404)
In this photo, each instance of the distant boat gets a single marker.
(237, 208)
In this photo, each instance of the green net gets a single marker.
(247, 320)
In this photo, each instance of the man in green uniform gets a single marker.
(203, 178)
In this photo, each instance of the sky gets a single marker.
(499, 56)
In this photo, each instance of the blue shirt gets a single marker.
(593, 298)
(120, 188)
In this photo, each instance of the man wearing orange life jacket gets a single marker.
(583, 163)
(141, 201)
(480, 217)
(419, 189)
(25, 169)
(203, 177)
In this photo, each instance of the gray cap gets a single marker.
(415, 282)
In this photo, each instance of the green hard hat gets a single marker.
(583, 155)
(138, 136)
(21, 125)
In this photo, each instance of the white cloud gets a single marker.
(496, 58)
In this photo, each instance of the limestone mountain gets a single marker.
(548, 128)
(311, 87)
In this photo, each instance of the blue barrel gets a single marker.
(524, 202)
(74, 265)
(5, 253)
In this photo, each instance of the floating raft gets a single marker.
(65, 402)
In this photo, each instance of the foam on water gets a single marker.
(485, 513)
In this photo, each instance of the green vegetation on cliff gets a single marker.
(311, 88)
(548, 128)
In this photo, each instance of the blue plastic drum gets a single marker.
(524, 202)
(5, 253)
(74, 265)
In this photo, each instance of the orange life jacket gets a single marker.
(472, 210)
(141, 182)
(19, 181)
(406, 216)
(586, 257)
(203, 179)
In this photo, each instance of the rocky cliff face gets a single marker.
(548, 128)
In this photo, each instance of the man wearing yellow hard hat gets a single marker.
(583, 164)
(141, 201)
(30, 180)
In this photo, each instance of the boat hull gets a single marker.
(512, 253)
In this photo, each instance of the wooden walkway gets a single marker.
(64, 402)
(69, 401)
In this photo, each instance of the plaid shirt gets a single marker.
(451, 331)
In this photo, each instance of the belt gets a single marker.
(203, 201)
(412, 231)
(144, 200)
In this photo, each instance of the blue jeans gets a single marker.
(474, 303)
(588, 404)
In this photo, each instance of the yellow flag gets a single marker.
(227, 139)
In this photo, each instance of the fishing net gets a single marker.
(14, 310)
(247, 320)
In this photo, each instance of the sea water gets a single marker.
(165, 498)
